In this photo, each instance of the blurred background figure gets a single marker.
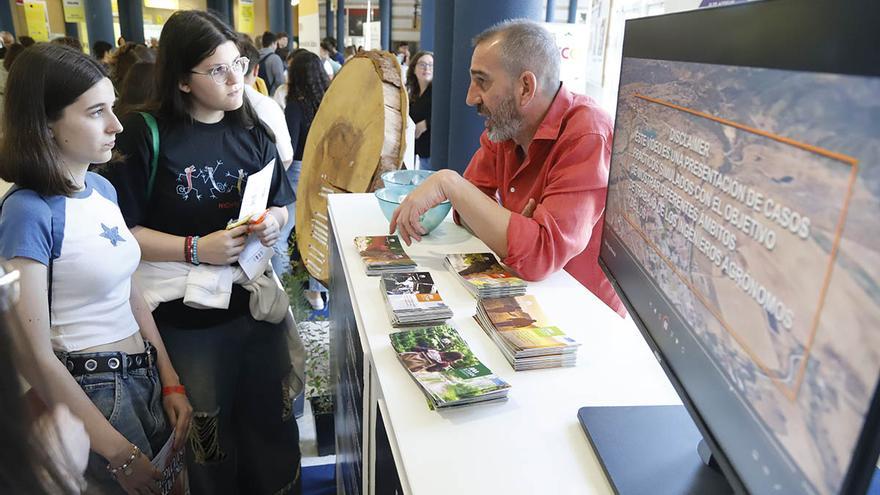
(70, 41)
(283, 50)
(102, 51)
(418, 83)
(329, 57)
(350, 51)
(138, 88)
(403, 53)
(125, 58)
(6, 40)
(26, 41)
(43, 451)
(271, 66)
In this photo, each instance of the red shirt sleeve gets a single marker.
(570, 206)
(482, 170)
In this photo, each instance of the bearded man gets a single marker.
(535, 190)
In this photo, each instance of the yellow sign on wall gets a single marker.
(246, 16)
(162, 4)
(308, 7)
(74, 11)
(37, 19)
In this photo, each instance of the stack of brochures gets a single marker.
(445, 369)
(484, 276)
(412, 299)
(521, 331)
(383, 254)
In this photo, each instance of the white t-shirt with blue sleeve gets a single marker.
(92, 253)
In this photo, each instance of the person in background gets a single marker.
(126, 56)
(6, 40)
(70, 41)
(334, 50)
(306, 84)
(403, 53)
(280, 95)
(44, 452)
(137, 89)
(26, 41)
(120, 41)
(266, 108)
(154, 43)
(328, 57)
(236, 367)
(418, 84)
(535, 190)
(93, 345)
(271, 66)
(12, 51)
(350, 51)
(283, 50)
(101, 50)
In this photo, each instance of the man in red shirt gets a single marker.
(535, 190)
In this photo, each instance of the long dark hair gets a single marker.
(137, 89)
(306, 82)
(412, 82)
(126, 57)
(42, 82)
(188, 37)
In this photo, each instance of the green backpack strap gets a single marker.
(154, 160)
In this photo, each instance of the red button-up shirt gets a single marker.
(566, 171)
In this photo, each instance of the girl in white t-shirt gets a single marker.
(96, 348)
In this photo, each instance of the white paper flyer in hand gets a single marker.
(172, 465)
(255, 257)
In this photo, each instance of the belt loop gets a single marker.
(125, 360)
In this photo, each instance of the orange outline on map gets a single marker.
(792, 393)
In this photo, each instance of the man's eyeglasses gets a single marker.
(220, 73)
(424, 66)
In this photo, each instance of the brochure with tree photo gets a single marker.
(445, 368)
(484, 276)
(383, 253)
(520, 329)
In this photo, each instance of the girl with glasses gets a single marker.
(418, 84)
(237, 368)
(94, 344)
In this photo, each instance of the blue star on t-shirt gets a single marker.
(111, 233)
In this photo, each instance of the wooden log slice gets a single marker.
(358, 134)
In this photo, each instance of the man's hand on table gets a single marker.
(421, 199)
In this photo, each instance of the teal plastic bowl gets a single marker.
(390, 198)
(409, 178)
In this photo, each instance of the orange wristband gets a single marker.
(173, 389)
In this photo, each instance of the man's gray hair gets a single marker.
(526, 46)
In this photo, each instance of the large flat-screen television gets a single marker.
(742, 231)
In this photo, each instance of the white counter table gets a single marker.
(530, 444)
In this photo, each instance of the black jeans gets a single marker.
(244, 438)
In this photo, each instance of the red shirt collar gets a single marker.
(549, 128)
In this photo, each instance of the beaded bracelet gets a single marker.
(195, 250)
(126, 466)
(173, 389)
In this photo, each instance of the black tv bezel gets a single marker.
(847, 41)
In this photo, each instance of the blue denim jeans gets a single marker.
(244, 438)
(424, 163)
(132, 401)
(281, 259)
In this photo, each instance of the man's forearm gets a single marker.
(483, 215)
